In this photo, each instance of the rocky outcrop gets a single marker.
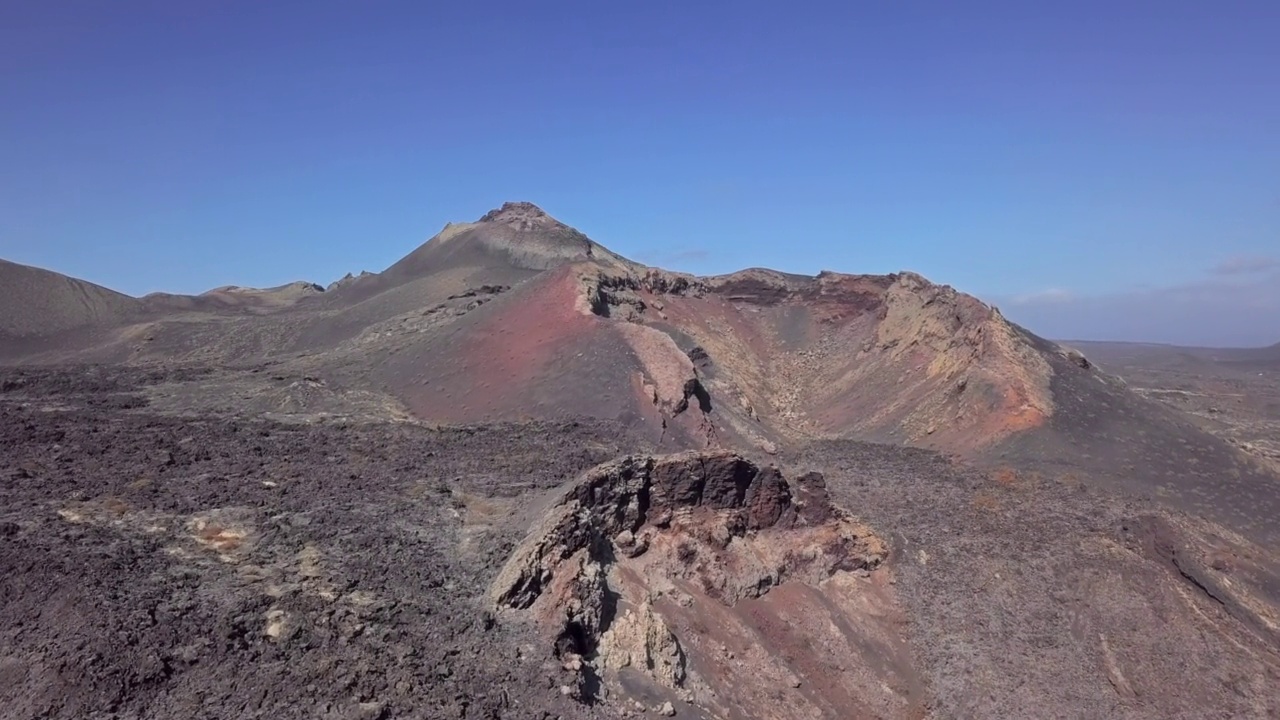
(635, 547)
(522, 216)
(532, 238)
(1001, 382)
(348, 279)
(622, 295)
(886, 357)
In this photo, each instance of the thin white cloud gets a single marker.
(677, 257)
(1246, 265)
(1050, 295)
(1226, 309)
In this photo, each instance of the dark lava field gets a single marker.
(166, 566)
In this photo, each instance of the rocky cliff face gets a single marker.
(653, 576)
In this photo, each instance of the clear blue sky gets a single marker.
(1042, 155)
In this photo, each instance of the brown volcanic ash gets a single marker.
(704, 579)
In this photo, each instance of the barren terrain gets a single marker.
(516, 475)
(218, 566)
(1232, 393)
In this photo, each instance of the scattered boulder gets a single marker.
(1077, 358)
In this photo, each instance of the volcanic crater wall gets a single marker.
(879, 357)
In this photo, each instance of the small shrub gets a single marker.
(686, 552)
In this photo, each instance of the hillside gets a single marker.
(202, 563)
(36, 302)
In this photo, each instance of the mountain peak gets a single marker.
(523, 215)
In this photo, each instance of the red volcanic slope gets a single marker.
(535, 351)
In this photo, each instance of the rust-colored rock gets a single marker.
(639, 553)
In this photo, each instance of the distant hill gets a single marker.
(1122, 353)
(36, 302)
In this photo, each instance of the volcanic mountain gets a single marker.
(518, 316)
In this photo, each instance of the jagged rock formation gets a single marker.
(635, 553)
(347, 280)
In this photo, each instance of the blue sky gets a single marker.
(1087, 166)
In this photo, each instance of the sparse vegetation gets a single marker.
(686, 552)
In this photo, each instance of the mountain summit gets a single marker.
(522, 215)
